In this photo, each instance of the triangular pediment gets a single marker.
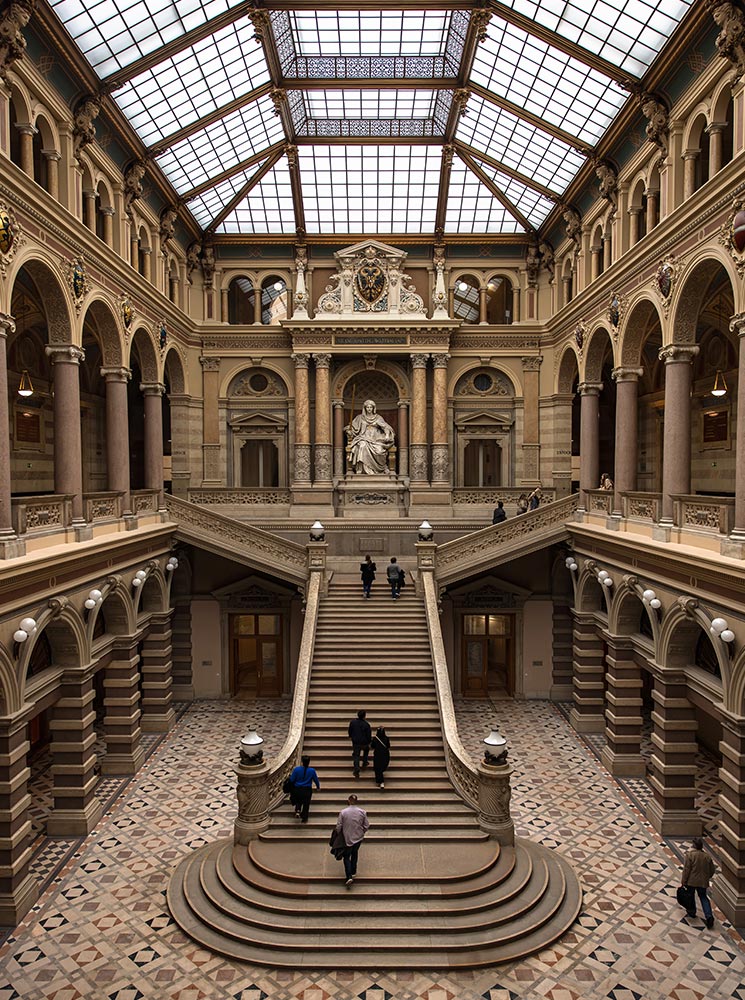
(259, 418)
(371, 248)
(485, 418)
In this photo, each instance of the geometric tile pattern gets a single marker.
(102, 929)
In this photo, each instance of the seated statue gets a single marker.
(370, 439)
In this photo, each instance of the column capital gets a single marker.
(635, 210)
(622, 374)
(152, 388)
(419, 360)
(116, 374)
(65, 354)
(108, 210)
(338, 404)
(590, 388)
(736, 324)
(51, 154)
(210, 364)
(301, 360)
(440, 360)
(531, 364)
(691, 154)
(146, 250)
(7, 324)
(26, 128)
(322, 360)
(678, 353)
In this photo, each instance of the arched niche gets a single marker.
(483, 402)
(258, 421)
(466, 298)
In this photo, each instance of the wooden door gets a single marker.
(255, 656)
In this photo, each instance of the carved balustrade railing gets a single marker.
(271, 495)
(642, 506)
(489, 495)
(281, 766)
(144, 501)
(460, 765)
(261, 549)
(41, 514)
(600, 501)
(713, 514)
(102, 506)
(489, 546)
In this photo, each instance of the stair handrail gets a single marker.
(458, 761)
(280, 767)
(263, 547)
(468, 550)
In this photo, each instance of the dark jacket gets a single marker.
(698, 869)
(381, 748)
(367, 571)
(499, 515)
(360, 732)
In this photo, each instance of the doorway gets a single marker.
(259, 464)
(488, 656)
(255, 656)
(482, 463)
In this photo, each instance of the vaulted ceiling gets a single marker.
(392, 118)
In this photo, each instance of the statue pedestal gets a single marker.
(361, 496)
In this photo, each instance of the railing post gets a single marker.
(253, 800)
(425, 563)
(317, 553)
(494, 802)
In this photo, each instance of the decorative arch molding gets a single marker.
(10, 692)
(693, 283)
(586, 581)
(356, 367)
(61, 622)
(142, 338)
(628, 594)
(636, 328)
(228, 277)
(688, 616)
(153, 582)
(568, 369)
(734, 694)
(721, 101)
(174, 363)
(106, 322)
(242, 366)
(694, 128)
(46, 123)
(595, 353)
(20, 98)
(116, 596)
(44, 268)
(473, 365)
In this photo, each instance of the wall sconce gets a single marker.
(426, 531)
(605, 578)
(317, 532)
(570, 564)
(172, 564)
(94, 597)
(25, 386)
(649, 597)
(139, 578)
(718, 627)
(720, 385)
(26, 628)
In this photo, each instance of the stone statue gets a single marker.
(573, 226)
(532, 262)
(12, 42)
(133, 177)
(608, 184)
(547, 258)
(731, 39)
(370, 439)
(657, 121)
(168, 223)
(84, 131)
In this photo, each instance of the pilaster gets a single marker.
(623, 717)
(588, 668)
(158, 715)
(76, 809)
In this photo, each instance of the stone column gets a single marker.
(19, 890)
(728, 887)
(440, 456)
(27, 132)
(322, 438)
(338, 406)
(181, 650)
(257, 305)
(10, 545)
(652, 206)
(715, 131)
(588, 669)
(531, 431)
(589, 439)
(482, 306)
(562, 646)
(210, 421)
(158, 715)
(418, 450)
(76, 809)
(566, 289)
(623, 714)
(224, 308)
(121, 723)
(153, 393)
(689, 172)
(302, 420)
(607, 251)
(596, 257)
(672, 811)
(108, 226)
(52, 157)
(147, 267)
(676, 456)
(403, 438)
(117, 432)
(635, 213)
(494, 802)
(737, 326)
(89, 209)
(68, 451)
(627, 443)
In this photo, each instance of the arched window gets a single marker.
(274, 300)
(499, 308)
(466, 299)
(241, 309)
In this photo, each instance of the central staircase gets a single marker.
(433, 891)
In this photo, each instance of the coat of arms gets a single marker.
(370, 282)
(7, 232)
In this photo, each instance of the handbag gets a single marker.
(686, 897)
(288, 786)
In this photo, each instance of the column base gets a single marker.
(623, 765)
(582, 723)
(83, 531)
(158, 722)
(661, 532)
(733, 547)
(130, 522)
(12, 547)
(674, 822)
(123, 763)
(728, 901)
(613, 523)
(15, 905)
(74, 822)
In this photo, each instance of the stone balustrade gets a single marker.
(642, 506)
(105, 506)
(270, 495)
(39, 515)
(599, 501)
(489, 495)
(144, 501)
(699, 513)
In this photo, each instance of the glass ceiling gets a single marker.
(333, 121)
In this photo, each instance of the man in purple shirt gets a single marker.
(354, 824)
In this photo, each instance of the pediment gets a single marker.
(371, 248)
(251, 590)
(485, 418)
(257, 419)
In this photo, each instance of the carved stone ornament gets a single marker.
(616, 310)
(83, 130)
(370, 279)
(168, 219)
(730, 41)
(573, 226)
(258, 383)
(10, 236)
(161, 335)
(133, 177)
(127, 311)
(657, 129)
(664, 280)
(579, 336)
(483, 382)
(12, 43)
(77, 279)
(732, 235)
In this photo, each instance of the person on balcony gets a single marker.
(606, 483)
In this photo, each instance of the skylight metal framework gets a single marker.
(291, 116)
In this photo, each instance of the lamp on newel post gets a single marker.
(252, 789)
(494, 790)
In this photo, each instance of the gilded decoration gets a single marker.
(732, 235)
(371, 279)
(127, 312)
(579, 337)
(616, 311)
(77, 280)
(664, 280)
(484, 382)
(10, 236)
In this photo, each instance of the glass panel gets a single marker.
(474, 624)
(206, 206)
(471, 207)
(500, 624)
(244, 624)
(269, 659)
(267, 208)
(370, 103)
(466, 300)
(268, 624)
(533, 205)
(475, 658)
(370, 32)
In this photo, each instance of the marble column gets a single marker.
(322, 439)
(210, 421)
(607, 251)
(158, 715)
(596, 259)
(627, 435)
(566, 289)
(676, 455)
(117, 432)
(257, 305)
(19, 889)
(108, 226)
(153, 393)
(715, 131)
(482, 306)
(147, 266)
(689, 172)
(440, 455)
(418, 449)
(27, 132)
(9, 544)
(121, 722)
(737, 325)
(302, 420)
(134, 250)
(68, 450)
(76, 809)
(89, 209)
(623, 714)
(672, 811)
(728, 888)
(338, 407)
(224, 307)
(653, 197)
(403, 437)
(635, 214)
(588, 669)
(589, 439)
(52, 158)
(531, 367)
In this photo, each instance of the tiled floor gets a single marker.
(101, 929)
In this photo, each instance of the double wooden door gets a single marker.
(256, 656)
